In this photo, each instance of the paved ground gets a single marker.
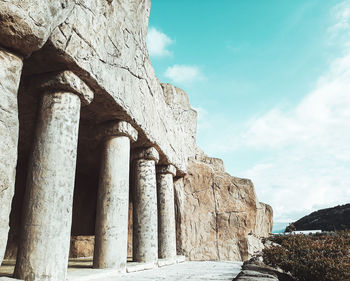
(190, 271)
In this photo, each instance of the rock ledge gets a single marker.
(256, 270)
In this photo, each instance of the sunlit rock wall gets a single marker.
(218, 216)
(104, 43)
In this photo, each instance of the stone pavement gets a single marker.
(190, 271)
(81, 270)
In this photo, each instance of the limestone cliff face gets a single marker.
(264, 220)
(104, 43)
(9, 80)
(218, 216)
(26, 25)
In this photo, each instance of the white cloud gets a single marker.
(311, 142)
(341, 16)
(183, 73)
(158, 46)
(303, 150)
(320, 118)
(203, 118)
(158, 43)
(202, 113)
(298, 182)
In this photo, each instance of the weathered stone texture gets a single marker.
(166, 212)
(82, 246)
(145, 216)
(64, 81)
(104, 44)
(264, 220)
(183, 114)
(114, 62)
(10, 73)
(113, 205)
(26, 25)
(256, 270)
(43, 254)
(216, 213)
(263, 227)
(130, 230)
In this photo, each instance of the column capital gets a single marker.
(118, 128)
(166, 169)
(146, 153)
(64, 81)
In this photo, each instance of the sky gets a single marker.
(271, 83)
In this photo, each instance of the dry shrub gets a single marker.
(320, 257)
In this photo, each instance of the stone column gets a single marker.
(166, 212)
(46, 223)
(145, 229)
(10, 74)
(111, 232)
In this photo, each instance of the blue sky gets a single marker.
(271, 82)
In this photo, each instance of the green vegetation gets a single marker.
(319, 257)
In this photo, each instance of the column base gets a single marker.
(81, 269)
(140, 266)
(100, 274)
(170, 261)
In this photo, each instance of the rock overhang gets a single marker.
(104, 43)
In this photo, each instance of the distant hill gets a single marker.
(330, 219)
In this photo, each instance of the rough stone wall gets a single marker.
(184, 114)
(263, 227)
(110, 54)
(264, 222)
(104, 43)
(27, 24)
(218, 216)
(9, 81)
(82, 246)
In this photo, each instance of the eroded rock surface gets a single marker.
(218, 215)
(10, 71)
(104, 44)
(26, 25)
(256, 270)
(82, 246)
